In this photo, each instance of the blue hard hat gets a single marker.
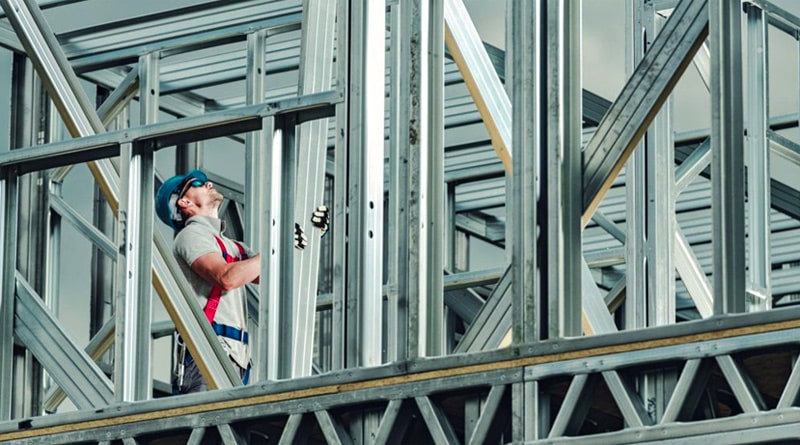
(168, 195)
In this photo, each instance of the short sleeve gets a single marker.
(191, 244)
(247, 250)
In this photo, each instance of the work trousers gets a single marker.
(193, 380)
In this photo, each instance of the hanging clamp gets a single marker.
(181, 365)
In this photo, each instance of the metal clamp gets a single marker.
(180, 366)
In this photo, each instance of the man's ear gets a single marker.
(183, 203)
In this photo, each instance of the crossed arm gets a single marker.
(213, 268)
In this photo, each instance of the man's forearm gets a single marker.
(240, 273)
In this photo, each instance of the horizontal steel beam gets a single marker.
(164, 134)
(473, 278)
(783, 198)
(421, 377)
(777, 426)
(779, 17)
(121, 42)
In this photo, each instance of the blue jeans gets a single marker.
(193, 380)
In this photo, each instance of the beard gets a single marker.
(216, 198)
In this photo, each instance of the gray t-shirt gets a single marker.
(195, 240)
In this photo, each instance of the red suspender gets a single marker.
(216, 292)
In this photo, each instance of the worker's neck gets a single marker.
(211, 213)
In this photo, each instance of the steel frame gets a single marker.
(575, 338)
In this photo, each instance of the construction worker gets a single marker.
(216, 266)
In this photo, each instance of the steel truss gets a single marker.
(426, 400)
(383, 331)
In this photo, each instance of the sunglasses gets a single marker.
(190, 184)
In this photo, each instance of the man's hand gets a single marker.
(300, 239)
(320, 219)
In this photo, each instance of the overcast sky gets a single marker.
(603, 55)
(603, 73)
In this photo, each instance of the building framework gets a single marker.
(646, 279)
